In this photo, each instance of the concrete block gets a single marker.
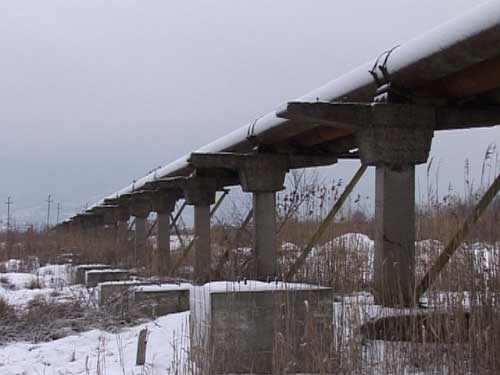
(159, 300)
(79, 271)
(94, 277)
(118, 292)
(260, 327)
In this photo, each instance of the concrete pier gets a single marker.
(200, 193)
(163, 203)
(264, 234)
(202, 255)
(162, 256)
(140, 238)
(262, 175)
(140, 207)
(394, 260)
(398, 139)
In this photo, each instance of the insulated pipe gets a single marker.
(440, 53)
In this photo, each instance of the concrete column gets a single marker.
(395, 150)
(200, 193)
(264, 234)
(140, 207)
(163, 203)
(163, 243)
(202, 249)
(394, 261)
(140, 238)
(262, 175)
(121, 232)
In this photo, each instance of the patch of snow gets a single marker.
(289, 247)
(112, 354)
(18, 280)
(106, 270)
(163, 287)
(22, 297)
(96, 265)
(254, 286)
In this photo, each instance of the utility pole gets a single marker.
(58, 211)
(9, 203)
(49, 202)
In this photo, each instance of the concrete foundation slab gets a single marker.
(118, 292)
(159, 300)
(79, 271)
(95, 277)
(258, 327)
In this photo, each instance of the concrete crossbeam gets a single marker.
(356, 115)
(255, 171)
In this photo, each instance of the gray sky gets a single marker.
(93, 94)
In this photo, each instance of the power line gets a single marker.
(9, 203)
(49, 202)
(58, 211)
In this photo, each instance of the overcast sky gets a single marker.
(93, 94)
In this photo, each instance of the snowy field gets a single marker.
(91, 352)
(99, 352)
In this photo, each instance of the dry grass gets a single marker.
(466, 340)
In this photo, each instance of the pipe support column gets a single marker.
(140, 209)
(200, 193)
(264, 234)
(394, 149)
(163, 205)
(394, 260)
(264, 175)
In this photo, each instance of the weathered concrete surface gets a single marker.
(94, 277)
(117, 292)
(202, 249)
(262, 175)
(163, 203)
(421, 327)
(260, 327)
(140, 207)
(394, 261)
(394, 146)
(264, 235)
(159, 300)
(162, 255)
(140, 239)
(79, 271)
(395, 139)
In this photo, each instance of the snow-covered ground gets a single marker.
(91, 352)
(100, 353)
(52, 281)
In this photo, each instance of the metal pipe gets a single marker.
(453, 47)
